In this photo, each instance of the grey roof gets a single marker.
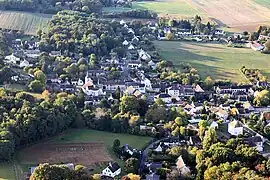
(114, 167)
(152, 177)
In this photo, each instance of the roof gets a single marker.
(195, 139)
(113, 167)
(253, 140)
(164, 96)
(152, 177)
(180, 162)
(235, 124)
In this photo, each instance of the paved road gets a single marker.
(144, 154)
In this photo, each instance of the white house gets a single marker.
(24, 63)
(181, 166)
(152, 64)
(130, 30)
(112, 170)
(131, 47)
(159, 148)
(93, 91)
(144, 55)
(214, 125)
(256, 46)
(78, 83)
(125, 43)
(235, 129)
(166, 98)
(122, 22)
(12, 59)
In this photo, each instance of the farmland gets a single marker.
(178, 8)
(24, 21)
(265, 3)
(215, 60)
(93, 148)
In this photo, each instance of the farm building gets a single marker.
(112, 170)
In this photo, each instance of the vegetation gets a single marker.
(7, 171)
(25, 22)
(215, 60)
(265, 3)
(173, 8)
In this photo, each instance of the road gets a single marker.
(144, 154)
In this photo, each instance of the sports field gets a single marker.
(215, 60)
(24, 21)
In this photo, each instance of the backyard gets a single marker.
(215, 60)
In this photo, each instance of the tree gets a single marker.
(156, 114)
(92, 60)
(131, 165)
(209, 138)
(267, 45)
(116, 144)
(262, 98)
(208, 82)
(47, 172)
(40, 76)
(128, 104)
(117, 93)
(36, 86)
(132, 176)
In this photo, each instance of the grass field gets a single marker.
(115, 9)
(215, 60)
(178, 8)
(7, 171)
(24, 21)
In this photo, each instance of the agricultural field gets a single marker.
(176, 8)
(215, 60)
(88, 147)
(243, 15)
(24, 21)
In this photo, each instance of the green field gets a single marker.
(265, 3)
(24, 21)
(115, 9)
(215, 60)
(175, 8)
(7, 171)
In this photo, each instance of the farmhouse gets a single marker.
(112, 170)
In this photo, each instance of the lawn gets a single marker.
(215, 60)
(7, 171)
(24, 21)
(179, 8)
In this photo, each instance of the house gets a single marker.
(67, 88)
(235, 128)
(219, 32)
(95, 73)
(152, 64)
(262, 84)
(130, 30)
(92, 91)
(194, 140)
(147, 128)
(131, 47)
(222, 114)
(55, 53)
(152, 176)
(32, 53)
(230, 90)
(24, 63)
(265, 116)
(12, 59)
(113, 85)
(134, 64)
(122, 22)
(112, 170)
(125, 43)
(214, 125)
(256, 46)
(181, 166)
(255, 141)
(166, 98)
(144, 55)
(78, 83)
(153, 166)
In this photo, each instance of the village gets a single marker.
(227, 108)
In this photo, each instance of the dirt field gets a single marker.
(78, 153)
(241, 14)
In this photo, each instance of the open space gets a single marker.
(215, 60)
(80, 146)
(78, 153)
(265, 3)
(24, 21)
(176, 8)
